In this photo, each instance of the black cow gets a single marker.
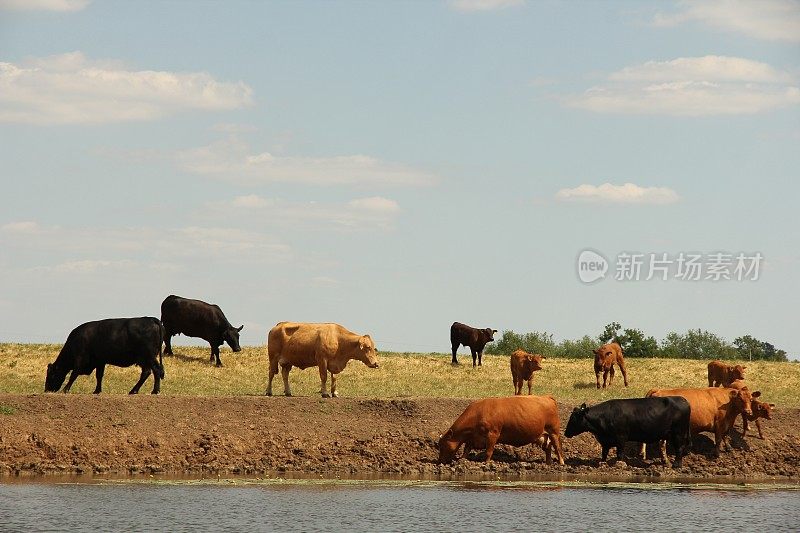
(195, 318)
(476, 339)
(615, 422)
(114, 341)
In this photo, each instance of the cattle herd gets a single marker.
(663, 416)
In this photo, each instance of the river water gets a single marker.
(389, 506)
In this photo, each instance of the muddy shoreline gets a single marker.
(171, 437)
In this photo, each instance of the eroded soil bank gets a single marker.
(49, 434)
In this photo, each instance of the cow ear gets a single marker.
(733, 393)
(240, 328)
(583, 406)
(494, 331)
(756, 394)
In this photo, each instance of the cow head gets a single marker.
(577, 422)
(736, 372)
(762, 409)
(533, 362)
(742, 400)
(367, 353)
(604, 356)
(447, 447)
(231, 336)
(489, 333)
(55, 377)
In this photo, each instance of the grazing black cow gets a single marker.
(615, 422)
(114, 341)
(195, 318)
(475, 338)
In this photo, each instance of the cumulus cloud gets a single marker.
(629, 193)
(692, 86)
(772, 20)
(233, 158)
(44, 5)
(70, 89)
(483, 5)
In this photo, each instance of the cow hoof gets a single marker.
(287, 393)
(219, 364)
(335, 395)
(268, 393)
(326, 395)
(455, 363)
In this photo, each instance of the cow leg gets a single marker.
(597, 377)
(611, 377)
(287, 391)
(455, 349)
(744, 425)
(474, 357)
(604, 455)
(334, 392)
(605, 378)
(480, 355)
(760, 433)
(273, 369)
(530, 384)
(98, 373)
(663, 448)
(491, 441)
(157, 372)
(145, 374)
(467, 450)
(555, 441)
(72, 377)
(323, 378)
(215, 355)
(168, 343)
(517, 386)
(624, 372)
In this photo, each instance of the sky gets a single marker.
(397, 166)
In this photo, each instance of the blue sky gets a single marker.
(396, 166)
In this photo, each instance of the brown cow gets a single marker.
(604, 359)
(721, 374)
(712, 409)
(513, 420)
(523, 365)
(326, 346)
(760, 410)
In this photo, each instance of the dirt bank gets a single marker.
(121, 435)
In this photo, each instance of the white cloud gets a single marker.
(232, 158)
(325, 281)
(70, 89)
(693, 86)
(483, 5)
(772, 20)
(44, 5)
(359, 213)
(376, 204)
(26, 226)
(628, 193)
(154, 247)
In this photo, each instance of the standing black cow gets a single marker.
(614, 422)
(195, 318)
(114, 341)
(476, 339)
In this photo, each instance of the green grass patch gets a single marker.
(7, 410)
(189, 373)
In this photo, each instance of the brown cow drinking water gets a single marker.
(523, 365)
(720, 374)
(514, 420)
(327, 346)
(605, 357)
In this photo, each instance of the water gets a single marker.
(362, 506)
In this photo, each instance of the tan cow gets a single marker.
(605, 357)
(326, 346)
(760, 410)
(523, 365)
(513, 420)
(712, 409)
(721, 374)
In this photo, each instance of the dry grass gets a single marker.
(22, 370)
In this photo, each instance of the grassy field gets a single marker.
(22, 370)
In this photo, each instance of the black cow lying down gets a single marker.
(475, 338)
(615, 422)
(196, 318)
(115, 341)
